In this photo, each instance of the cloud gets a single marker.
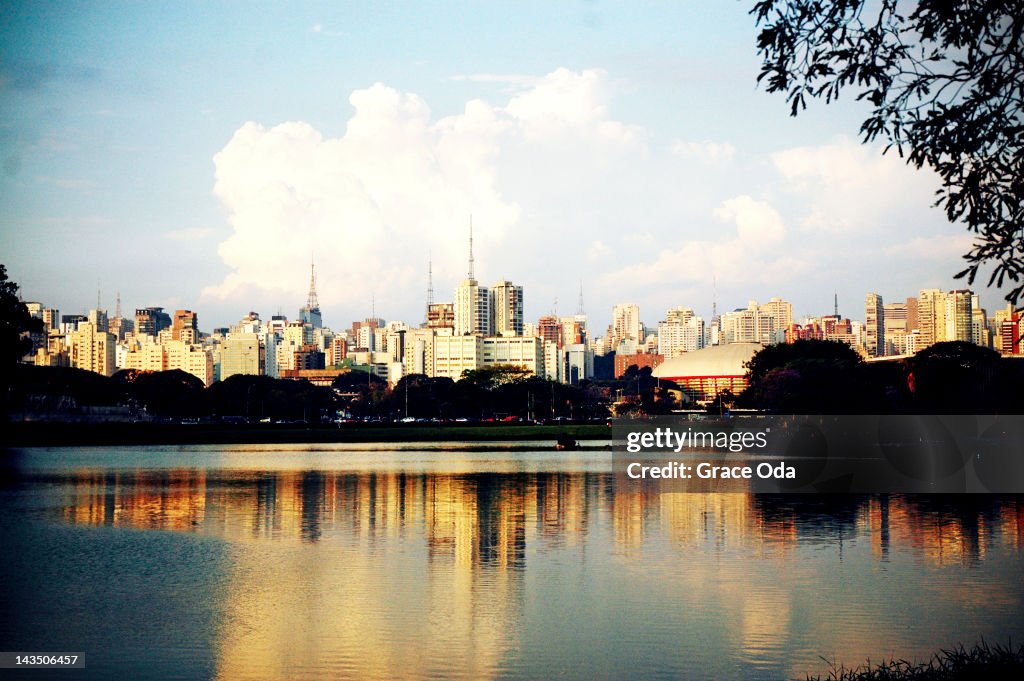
(559, 190)
(598, 250)
(937, 247)
(400, 183)
(320, 30)
(846, 186)
(369, 204)
(756, 222)
(731, 261)
(713, 153)
(190, 234)
(568, 101)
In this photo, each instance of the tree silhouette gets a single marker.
(15, 323)
(945, 79)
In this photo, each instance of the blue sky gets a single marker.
(196, 155)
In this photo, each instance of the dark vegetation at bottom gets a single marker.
(983, 661)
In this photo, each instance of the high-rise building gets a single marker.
(190, 358)
(681, 331)
(98, 318)
(913, 321)
(895, 328)
(185, 326)
(1009, 326)
(454, 355)
(550, 330)
(748, 326)
(93, 350)
(959, 316)
(626, 325)
(980, 334)
(874, 325)
(506, 309)
(150, 321)
(779, 310)
(931, 316)
(51, 319)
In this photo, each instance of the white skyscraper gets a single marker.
(506, 309)
(626, 324)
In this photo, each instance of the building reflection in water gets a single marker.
(427, 570)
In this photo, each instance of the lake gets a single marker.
(448, 561)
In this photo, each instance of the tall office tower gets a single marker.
(748, 326)
(913, 320)
(874, 325)
(1009, 325)
(51, 319)
(550, 329)
(472, 302)
(779, 310)
(150, 321)
(506, 309)
(185, 326)
(681, 331)
(931, 316)
(93, 349)
(980, 333)
(895, 330)
(895, 317)
(98, 318)
(310, 312)
(574, 329)
(958, 316)
(626, 324)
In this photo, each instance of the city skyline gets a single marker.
(625, 148)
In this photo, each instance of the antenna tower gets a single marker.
(430, 283)
(471, 277)
(311, 302)
(714, 297)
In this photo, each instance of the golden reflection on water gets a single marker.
(425, 574)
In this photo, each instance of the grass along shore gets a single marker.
(983, 661)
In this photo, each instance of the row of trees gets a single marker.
(804, 377)
(492, 393)
(813, 376)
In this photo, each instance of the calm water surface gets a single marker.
(442, 561)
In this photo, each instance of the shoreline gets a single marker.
(48, 434)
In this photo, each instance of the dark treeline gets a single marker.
(829, 377)
(806, 377)
(493, 393)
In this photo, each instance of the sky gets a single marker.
(200, 155)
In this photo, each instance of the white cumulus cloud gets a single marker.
(372, 203)
(847, 186)
(756, 221)
(714, 153)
